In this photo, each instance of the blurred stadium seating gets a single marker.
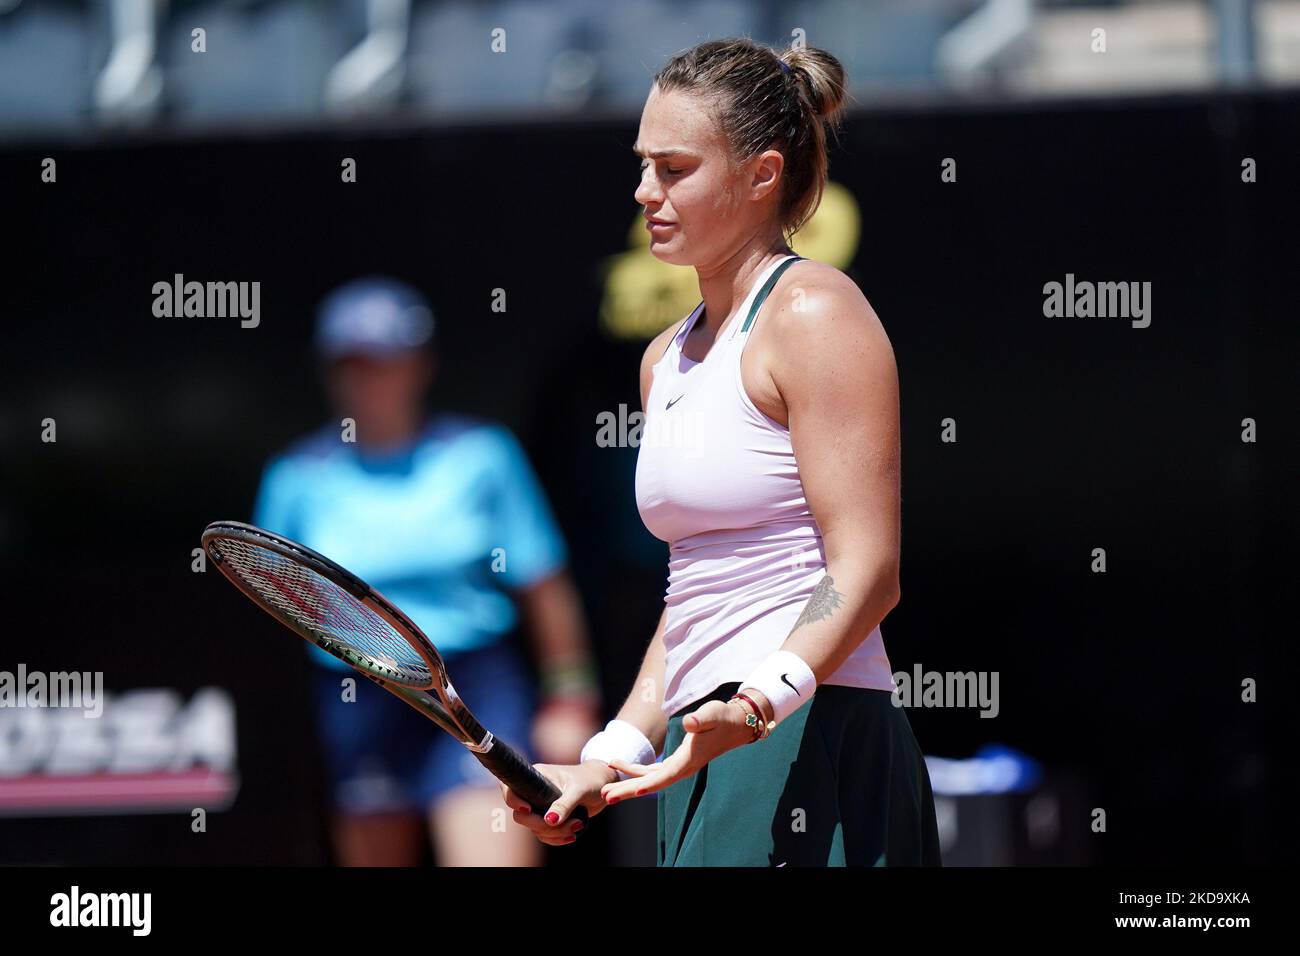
(66, 64)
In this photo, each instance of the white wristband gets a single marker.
(619, 741)
(785, 680)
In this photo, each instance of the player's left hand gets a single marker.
(712, 729)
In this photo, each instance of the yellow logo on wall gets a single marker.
(643, 296)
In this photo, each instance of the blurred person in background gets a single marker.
(443, 514)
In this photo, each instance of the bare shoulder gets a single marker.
(822, 328)
(653, 353)
(814, 297)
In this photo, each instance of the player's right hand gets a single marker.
(579, 785)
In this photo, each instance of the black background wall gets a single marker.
(1073, 433)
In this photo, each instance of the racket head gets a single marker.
(327, 605)
(332, 608)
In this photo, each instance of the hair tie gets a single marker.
(785, 67)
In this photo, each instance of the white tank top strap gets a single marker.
(755, 300)
(735, 344)
(688, 324)
(761, 291)
(675, 344)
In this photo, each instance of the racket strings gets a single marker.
(336, 619)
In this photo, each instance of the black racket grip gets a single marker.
(509, 766)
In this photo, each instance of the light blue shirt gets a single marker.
(443, 529)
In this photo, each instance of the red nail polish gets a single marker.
(552, 818)
(577, 825)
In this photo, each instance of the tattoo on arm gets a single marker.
(825, 599)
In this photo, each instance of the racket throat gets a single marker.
(484, 745)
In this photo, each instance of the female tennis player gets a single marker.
(766, 684)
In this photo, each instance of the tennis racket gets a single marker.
(342, 615)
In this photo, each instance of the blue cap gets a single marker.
(375, 316)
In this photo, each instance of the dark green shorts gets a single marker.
(842, 782)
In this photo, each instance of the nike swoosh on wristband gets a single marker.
(785, 677)
(674, 401)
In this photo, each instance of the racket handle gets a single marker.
(509, 766)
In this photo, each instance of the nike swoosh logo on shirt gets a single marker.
(785, 677)
(674, 401)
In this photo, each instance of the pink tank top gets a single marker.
(717, 479)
